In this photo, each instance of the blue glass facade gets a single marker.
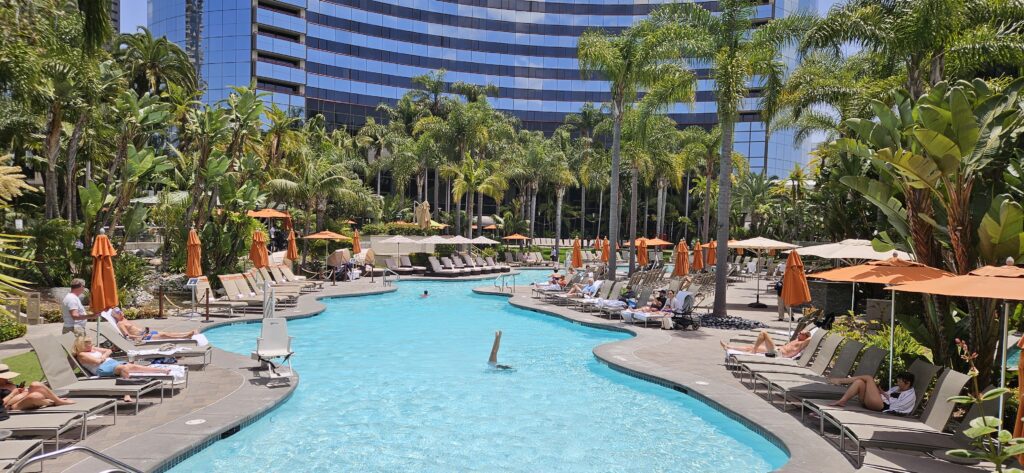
(341, 58)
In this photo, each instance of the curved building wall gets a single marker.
(342, 58)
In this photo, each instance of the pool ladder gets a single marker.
(119, 466)
(502, 283)
(384, 278)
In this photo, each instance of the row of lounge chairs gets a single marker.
(244, 292)
(533, 258)
(463, 265)
(861, 433)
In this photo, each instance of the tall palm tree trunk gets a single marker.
(480, 214)
(634, 191)
(71, 203)
(583, 211)
(559, 195)
(52, 144)
(470, 197)
(613, 205)
(724, 197)
(705, 228)
(437, 195)
(600, 209)
(533, 209)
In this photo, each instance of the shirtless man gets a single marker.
(765, 344)
(133, 332)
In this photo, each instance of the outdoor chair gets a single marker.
(437, 270)
(803, 387)
(13, 451)
(391, 264)
(273, 344)
(406, 263)
(205, 297)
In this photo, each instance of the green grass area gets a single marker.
(27, 364)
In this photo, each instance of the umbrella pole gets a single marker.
(853, 299)
(892, 330)
(757, 292)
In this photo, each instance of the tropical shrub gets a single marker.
(57, 251)
(131, 272)
(906, 347)
(392, 229)
(10, 328)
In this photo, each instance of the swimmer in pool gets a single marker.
(493, 361)
(425, 295)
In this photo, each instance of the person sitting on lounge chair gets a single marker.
(584, 288)
(133, 332)
(98, 361)
(764, 344)
(900, 399)
(658, 304)
(21, 398)
(558, 285)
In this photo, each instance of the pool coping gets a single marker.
(796, 440)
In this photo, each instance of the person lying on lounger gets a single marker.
(658, 304)
(97, 361)
(764, 344)
(133, 332)
(22, 398)
(900, 399)
(587, 287)
(493, 360)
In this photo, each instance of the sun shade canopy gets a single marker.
(890, 271)
(851, 249)
(515, 236)
(989, 282)
(268, 213)
(326, 235)
(761, 243)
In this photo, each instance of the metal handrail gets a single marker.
(123, 467)
(385, 276)
(504, 283)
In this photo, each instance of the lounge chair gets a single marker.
(290, 276)
(843, 365)
(406, 263)
(609, 292)
(136, 352)
(510, 260)
(805, 387)
(736, 361)
(230, 284)
(45, 425)
(282, 279)
(504, 268)
(55, 362)
(816, 368)
(457, 266)
(437, 270)
(456, 262)
(13, 451)
(258, 279)
(391, 264)
(874, 429)
(67, 340)
(470, 263)
(283, 297)
(887, 461)
(205, 297)
(616, 310)
(483, 264)
(274, 343)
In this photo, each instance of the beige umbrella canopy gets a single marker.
(758, 245)
(482, 240)
(851, 250)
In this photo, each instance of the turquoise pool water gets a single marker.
(395, 383)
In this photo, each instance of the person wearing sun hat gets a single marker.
(21, 398)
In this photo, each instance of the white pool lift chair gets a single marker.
(273, 344)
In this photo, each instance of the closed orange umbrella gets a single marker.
(698, 257)
(1018, 425)
(604, 250)
(577, 254)
(258, 250)
(641, 252)
(355, 242)
(794, 282)
(682, 266)
(712, 256)
(193, 255)
(103, 291)
(293, 249)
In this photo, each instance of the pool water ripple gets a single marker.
(397, 383)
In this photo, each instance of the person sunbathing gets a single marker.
(21, 398)
(133, 332)
(899, 399)
(583, 288)
(658, 304)
(765, 345)
(98, 362)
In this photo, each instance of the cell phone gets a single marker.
(21, 385)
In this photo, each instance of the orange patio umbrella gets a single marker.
(989, 282)
(293, 250)
(515, 236)
(193, 255)
(268, 213)
(698, 257)
(641, 252)
(794, 284)
(682, 266)
(326, 235)
(712, 255)
(658, 242)
(103, 290)
(577, 255)
(258, 250)
(355, 242)
(604, 250)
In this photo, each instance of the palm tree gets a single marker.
(701, 151)
(96, 28)
(280, 128)
(933, 39)
(473, 92)
(377, 140)
(152, 63)
(637, 59)
(473, 176)
(586, 123)
(528, 167)
(561, 176)
(740, 53)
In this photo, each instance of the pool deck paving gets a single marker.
(227, 393)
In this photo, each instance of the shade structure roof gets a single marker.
(989, 282)
(326, 235)
(268, 213)
(400, 240)
(851, 249)
(515, 236)
(890, 271)
(482, 240)
(761, 243)
(458, 240)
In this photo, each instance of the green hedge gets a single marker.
(389, 229)
(10, 328)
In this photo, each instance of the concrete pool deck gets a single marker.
(226, 395)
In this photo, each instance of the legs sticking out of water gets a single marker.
(493, 360)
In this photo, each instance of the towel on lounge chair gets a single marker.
(199, 338)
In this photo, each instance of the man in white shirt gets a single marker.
(72, 310)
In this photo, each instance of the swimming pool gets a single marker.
(397, 383)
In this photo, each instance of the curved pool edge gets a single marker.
(806, 450)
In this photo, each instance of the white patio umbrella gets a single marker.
(852, 250)
(758, 245)
(482, 240)
(434, 240)
(458, 240)
(398, 240)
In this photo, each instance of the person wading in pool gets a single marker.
(493, 361)
(425, 295)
